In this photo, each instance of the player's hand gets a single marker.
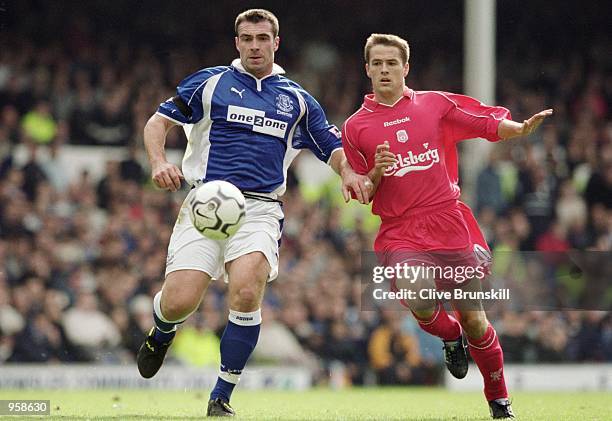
(383, 158)
(534, 122)
(167, 176)
(360, 184)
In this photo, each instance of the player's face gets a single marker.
(386, 70)
(256, 44)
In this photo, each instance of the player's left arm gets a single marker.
(324, 140)
(468, 118)
(360, 184)
(509, 129)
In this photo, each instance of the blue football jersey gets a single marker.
(246, 130)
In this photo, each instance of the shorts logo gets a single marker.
(482, 255)
(402, 136)
(413, 162)
(257, 120)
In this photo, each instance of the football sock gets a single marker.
(237, 344)
(488, 356)
(164, 329)
(440, 324)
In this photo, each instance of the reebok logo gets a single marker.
(398, 121)
(413, 162)
(257, 120)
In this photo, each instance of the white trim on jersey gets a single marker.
(346, 123)
(463, 111)
(339, 148)
(195, 159)
(169, 118)
(290, 153)
(303, 102)
(276, 70)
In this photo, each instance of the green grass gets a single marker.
(317, 404)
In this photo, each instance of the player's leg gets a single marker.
(192, 259)
(433, 319)
(248, 275)
(251, 257)
(179, 298)
(486, 352)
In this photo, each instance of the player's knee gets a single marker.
(245, 299)
(175, 308)
(475, 325)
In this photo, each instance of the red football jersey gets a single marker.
(422, 128)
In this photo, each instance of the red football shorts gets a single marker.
(445, 235)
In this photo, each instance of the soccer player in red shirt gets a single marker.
(405, 140)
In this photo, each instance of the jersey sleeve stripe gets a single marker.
(332, 153)
(161, 113)
(302, 100)
(201, 85)
(346, 123)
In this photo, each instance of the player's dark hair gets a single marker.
(256, 16)
(389, 40)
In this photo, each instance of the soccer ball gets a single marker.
(217, 209)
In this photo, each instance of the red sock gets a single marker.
(488, 356)
(440, 324)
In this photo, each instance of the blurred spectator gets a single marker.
(513, 333)
(551, 340)
(130, 168)
(489, 187)
(90, 329)
(394, 354)
(38, 124)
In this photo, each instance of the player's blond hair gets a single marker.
(390, 40)
(256, 16)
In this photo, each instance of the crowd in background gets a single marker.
(81, 258)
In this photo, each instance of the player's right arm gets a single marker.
(184, 108)
(356, 157)
(383, 159)
(164, 174)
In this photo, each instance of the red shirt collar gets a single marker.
(370, 102)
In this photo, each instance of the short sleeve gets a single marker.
(186, 106)
(354, 155)
(316, 133)
(468, 118)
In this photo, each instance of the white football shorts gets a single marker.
(261, 231)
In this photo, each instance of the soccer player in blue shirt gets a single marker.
(245, 123)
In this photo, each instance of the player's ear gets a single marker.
(276, 43)
(236, 42)
(406, 69)
(367, 69)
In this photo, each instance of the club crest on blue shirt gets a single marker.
(284, 103)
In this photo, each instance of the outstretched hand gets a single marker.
(534, 122)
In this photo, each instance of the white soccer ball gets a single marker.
(217, 209)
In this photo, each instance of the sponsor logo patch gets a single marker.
(413, 162)
(257, 120)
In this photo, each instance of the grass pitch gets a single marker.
(317, 404)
